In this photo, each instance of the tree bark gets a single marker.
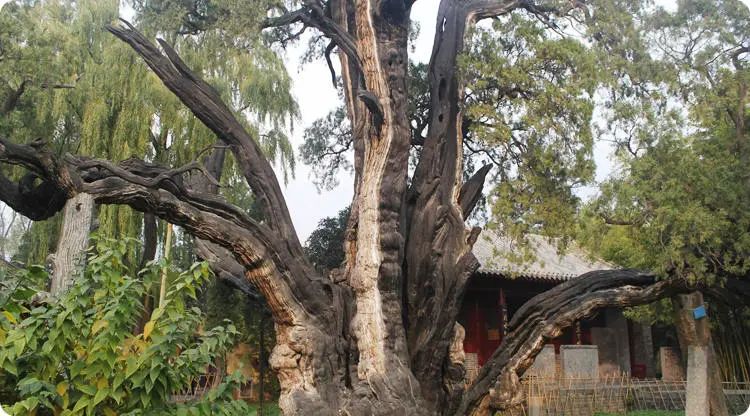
(73, 241)
(382, 338)
(317, 355)
(698, 332)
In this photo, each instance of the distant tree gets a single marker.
(376, 339)
(325, 246)
(90, 96)
(679, 204)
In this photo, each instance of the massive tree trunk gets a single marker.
(73, 241)
(374, 339)
(698, 332)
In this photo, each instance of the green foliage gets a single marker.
(730, 332)
(86, 92)
(77, 354)
(530, 103)
(325, 149)
(679, 205)
(38, 241)
(16, 292)
(325, 246)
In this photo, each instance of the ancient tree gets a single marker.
(375, 336)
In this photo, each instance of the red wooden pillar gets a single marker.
(474, 323)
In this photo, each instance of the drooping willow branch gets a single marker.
(207, 105)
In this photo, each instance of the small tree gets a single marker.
(376, 338)
(77, 354)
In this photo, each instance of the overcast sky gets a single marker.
(317, 97)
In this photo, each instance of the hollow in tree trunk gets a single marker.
(379, 337)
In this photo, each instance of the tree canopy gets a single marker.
(516, 91)
(678, 204)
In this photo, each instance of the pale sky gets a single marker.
(316, 97)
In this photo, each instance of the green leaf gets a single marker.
(62, 388)
(99, 325)
(81, 403)
(101, 394)
(86, 388)
(9, 316)
(147, 329)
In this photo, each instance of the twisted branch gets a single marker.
(207, 105)
(544, 317)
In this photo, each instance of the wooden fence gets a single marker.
(613, 394)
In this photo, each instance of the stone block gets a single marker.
(544, 364)
(605, 340)
(580, 361)
(643, 348)
(671, 365)
(617, 322)
(697, 382)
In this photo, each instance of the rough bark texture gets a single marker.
(698, 332)
(379, 337)
(73, 241)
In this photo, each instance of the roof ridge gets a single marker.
(548, 264)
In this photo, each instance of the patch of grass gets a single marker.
(269, 409)
(645, 413)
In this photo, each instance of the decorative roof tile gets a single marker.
(493, 250)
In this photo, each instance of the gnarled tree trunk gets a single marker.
(376, 340)
(73, 241)
(698, 332)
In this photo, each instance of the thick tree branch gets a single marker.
(223, 263)
(33, 157)
(36, 201)
(262, 253)
(441, 152)
(331, 46)
(15, 95)
(471, 191)
(438, 248)
(12, 100)
(545, 316)
(207, 105)
(314, 16)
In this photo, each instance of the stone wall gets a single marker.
(671, 364)
(545, 365)
(580, 361)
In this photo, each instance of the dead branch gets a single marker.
(207, 105)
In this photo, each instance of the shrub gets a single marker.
(77, 354)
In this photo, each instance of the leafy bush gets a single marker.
(78, 354)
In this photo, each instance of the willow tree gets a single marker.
(91, 96)
(375, 336)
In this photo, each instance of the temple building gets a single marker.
(500, 286)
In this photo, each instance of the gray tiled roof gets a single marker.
(491, 250)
